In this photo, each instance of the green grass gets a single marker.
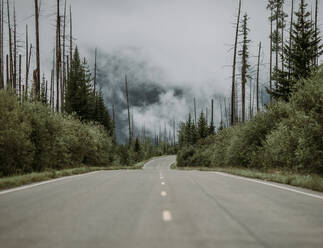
(309, 181)
(19, 180)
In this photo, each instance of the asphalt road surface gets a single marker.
(159, 207)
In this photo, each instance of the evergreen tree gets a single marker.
(102, 114)
(299, 55)
(137, 147)
(79, 96)
(202, 127)
(212, 128)
(244, 53)
(278, 16)
(221, 127)
(43, 97)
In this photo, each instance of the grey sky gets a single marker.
(185, 44)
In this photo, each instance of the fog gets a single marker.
(171, 50)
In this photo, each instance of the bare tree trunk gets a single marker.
(19, 79)
(244, 54)
(233, 93)
(64, 65)
(226, 112)
(250, 99)
(277, 35)
(10, 47)
(290, 37)
(7, 65)
(95, 57)
(68, 66)
(195, 119)
(212, 112)
(271, 54)
(132, 127)
(316, 30)
(258, 69)
(2, 43)
(27, 56)
(282, 34)
(51, 102)
(1, 46)
(128, 107)
(37, 51)
(46, 92)
(71, 37)
(14, 48)
(114, 124)
(28, 69)
(174, 133)
(58, 55)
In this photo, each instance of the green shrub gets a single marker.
(16, 149)
(33, 138)
(193, 156)
(298, 141)
(286, 136)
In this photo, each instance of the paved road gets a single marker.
(159, 207)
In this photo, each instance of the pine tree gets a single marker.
(137, 146)
(202, 127)
(244, 53)
(299, 55)
(43, 97)
(278, 16)
(78, 96)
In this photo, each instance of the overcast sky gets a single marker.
(173, 50)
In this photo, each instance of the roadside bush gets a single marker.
(16, 149)
(285, 136)
(33, 138)
(193, 156)
(298, 141)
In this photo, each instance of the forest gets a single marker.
(62, 122)
(285, 134)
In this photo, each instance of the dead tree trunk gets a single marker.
(46, 92)
(27, 56)
(7, 66)
(290, 36)
(212, 112)
(233, 94)
(271, 54)
(128, 107)
(14, 48)
(282, 35)
(244, 66)
(258, 70)
(1, 46)
(64, 65)
(95, 56)
(68, 66)
(2, 43)
(37, 84)
(51, 94)
(58, 55)
(316, 62)
(10, 47)
(19, 78)
(277, 36)
(28, 69)
(174, 133)
(195, 119)
(71, 37)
